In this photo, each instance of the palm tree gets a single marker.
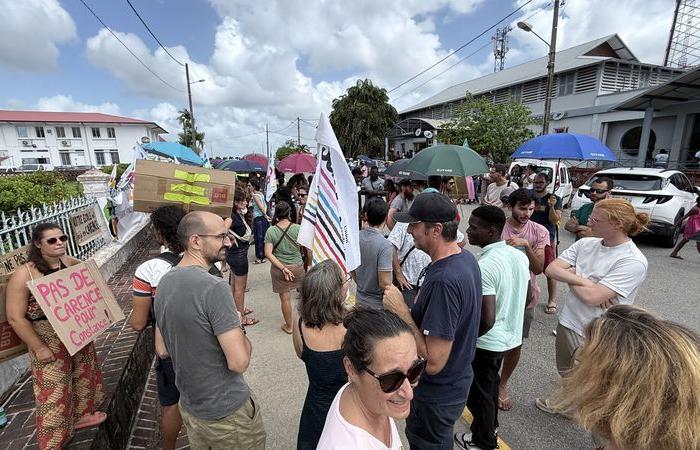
(185, 119)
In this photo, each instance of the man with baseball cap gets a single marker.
(444, 318)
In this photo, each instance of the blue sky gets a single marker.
(272, 61)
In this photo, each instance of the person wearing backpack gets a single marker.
(284, 254)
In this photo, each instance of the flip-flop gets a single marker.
(250, 321)
(550, 309)
(90, 420)
(676, 256)
(504, 404)
(248, 311)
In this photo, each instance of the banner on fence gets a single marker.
(78, 304)
(10, 344)
(11, 261)
(85, 225)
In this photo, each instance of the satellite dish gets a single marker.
(558, 115)
(428, 134)
(418, 132)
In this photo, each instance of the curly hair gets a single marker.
(637, 381)
(34, 253)
(165, 221)
(320, 303)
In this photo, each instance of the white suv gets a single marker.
(665, 194)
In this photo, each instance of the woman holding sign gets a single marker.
(68, 389)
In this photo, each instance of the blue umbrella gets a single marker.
(174, 150)
(241, 165)
(565, 146)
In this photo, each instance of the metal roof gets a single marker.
(685, 87)
(69, 117)
(602, 49)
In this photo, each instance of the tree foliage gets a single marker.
(185, 119)
(362, 118)
(289, 147)
(33, 189)
(120, 169)
(496, 130)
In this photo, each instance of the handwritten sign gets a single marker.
(10, 344)
(11, 261)
(85, 225)
(78, 304)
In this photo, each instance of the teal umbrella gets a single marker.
(448, 160)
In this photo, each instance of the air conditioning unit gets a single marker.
(558, 115)
(26, 143)
(428, 134)
(65, 143)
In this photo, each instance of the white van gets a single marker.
(564, 188)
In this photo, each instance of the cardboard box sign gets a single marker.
(10, 344)
(194, 188)
(78, 304)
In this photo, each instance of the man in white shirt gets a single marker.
(500, 187)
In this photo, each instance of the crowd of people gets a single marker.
(433, 328)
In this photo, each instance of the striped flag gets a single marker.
(330, 225)
(271, 179)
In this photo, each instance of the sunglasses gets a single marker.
(392, 381)
(301, 195)
(599, 191)
(53, 240)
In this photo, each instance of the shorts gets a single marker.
(431, 425)
(237, 260)
(565, 346)
(168, 394)
(527, 321)
(550, 254)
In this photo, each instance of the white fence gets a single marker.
(16, 230)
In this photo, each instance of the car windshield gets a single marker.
(632, 182)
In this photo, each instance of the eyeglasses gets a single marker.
(599, 191)
(392, 381)
(222, 236)
(53, 240)
(301, 195)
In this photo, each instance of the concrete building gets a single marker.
(65, 139)
(591, 80)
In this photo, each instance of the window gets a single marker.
(96, 133)
(632, 182)
(100, 157)
(22, 132)
(114, 154)
(76, 132)
(60, 132)
(110, 133)
(65, 158)
(39, 132)
(631, 139)
(566, 84)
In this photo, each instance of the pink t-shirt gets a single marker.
(538, 236)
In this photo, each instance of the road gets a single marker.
(279, 379)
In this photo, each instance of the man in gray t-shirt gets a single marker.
(401, 202)
(374, 272)
(202, 331)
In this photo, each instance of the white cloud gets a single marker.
(30, 31)
(66, 103)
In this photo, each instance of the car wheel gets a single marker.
(670, 240)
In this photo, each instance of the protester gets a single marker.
(203, 333)
(504, 284)
(391, 189)
(260, 221)
(578, 223)
(531, 238)
(516, 174)
(444, 320)
(434, 184)
(372, 185)
(363, 169)
(636, 382)
(529, 176)
(374, 273)
(382, 367)
(691, 229)
(287, 265)
(302, 195)
(237, 255)
(499, 187)
(471, 190)
(67, 389)
(548, 211)
(318, 338)
(357, 175)
(402, 202)
(283, 194)
(601, 271)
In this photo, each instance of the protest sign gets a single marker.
(85, 225)
(10, 261)
(78, 304)
(10, 344)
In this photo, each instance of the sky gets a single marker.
(269, 62)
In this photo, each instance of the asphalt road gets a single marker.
(278, 378)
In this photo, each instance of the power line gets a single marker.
(462, 46)
(128, 49)
(151, 32)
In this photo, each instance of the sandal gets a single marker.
(550, 309)
(90, 420)
(504, 404)
(676, 256)
(248, 311)
(286, 330)
(249, 321)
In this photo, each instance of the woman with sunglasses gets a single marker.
(318, 338)
(383, 366)
(68, 389)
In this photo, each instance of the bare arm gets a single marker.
(384, 279)
(140, 312)
(560, 271)
(296, 337)
(237, 349)
(17, 297)
(488, 314)
(288, 275)
(593, 294)
(534, 256)
(390, 222)
(262, 206)
(398, 273)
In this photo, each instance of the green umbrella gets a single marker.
(448, 160)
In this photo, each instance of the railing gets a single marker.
(16, 230)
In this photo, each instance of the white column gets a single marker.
(677, 139)
(646, 132)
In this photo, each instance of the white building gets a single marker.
(65, 139)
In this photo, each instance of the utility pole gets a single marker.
(550, 69)
(267, 140)
(189, 96)
(298, 133)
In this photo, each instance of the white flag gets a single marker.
(330, 226)
(270, 178)
(205, 157)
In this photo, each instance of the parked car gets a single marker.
(665, 194)
(564, 188)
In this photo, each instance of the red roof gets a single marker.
(65, 117)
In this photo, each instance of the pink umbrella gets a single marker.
(298, 163)
(258, 158)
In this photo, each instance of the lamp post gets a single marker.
(189, 96)
(550, 62)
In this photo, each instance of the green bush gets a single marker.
(120, 170)
(34, 189)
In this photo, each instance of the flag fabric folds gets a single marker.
(330, 225)
(270, 179)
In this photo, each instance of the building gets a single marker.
(591, 80)
(38, 139)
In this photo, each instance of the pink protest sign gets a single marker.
(78, 304)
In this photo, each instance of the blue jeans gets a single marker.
(430, 426)
(260, 225)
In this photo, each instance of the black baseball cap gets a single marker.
(429, 207)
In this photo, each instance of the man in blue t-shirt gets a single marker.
(444, 318)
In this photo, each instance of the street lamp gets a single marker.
(189, 96)
(550, 63)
